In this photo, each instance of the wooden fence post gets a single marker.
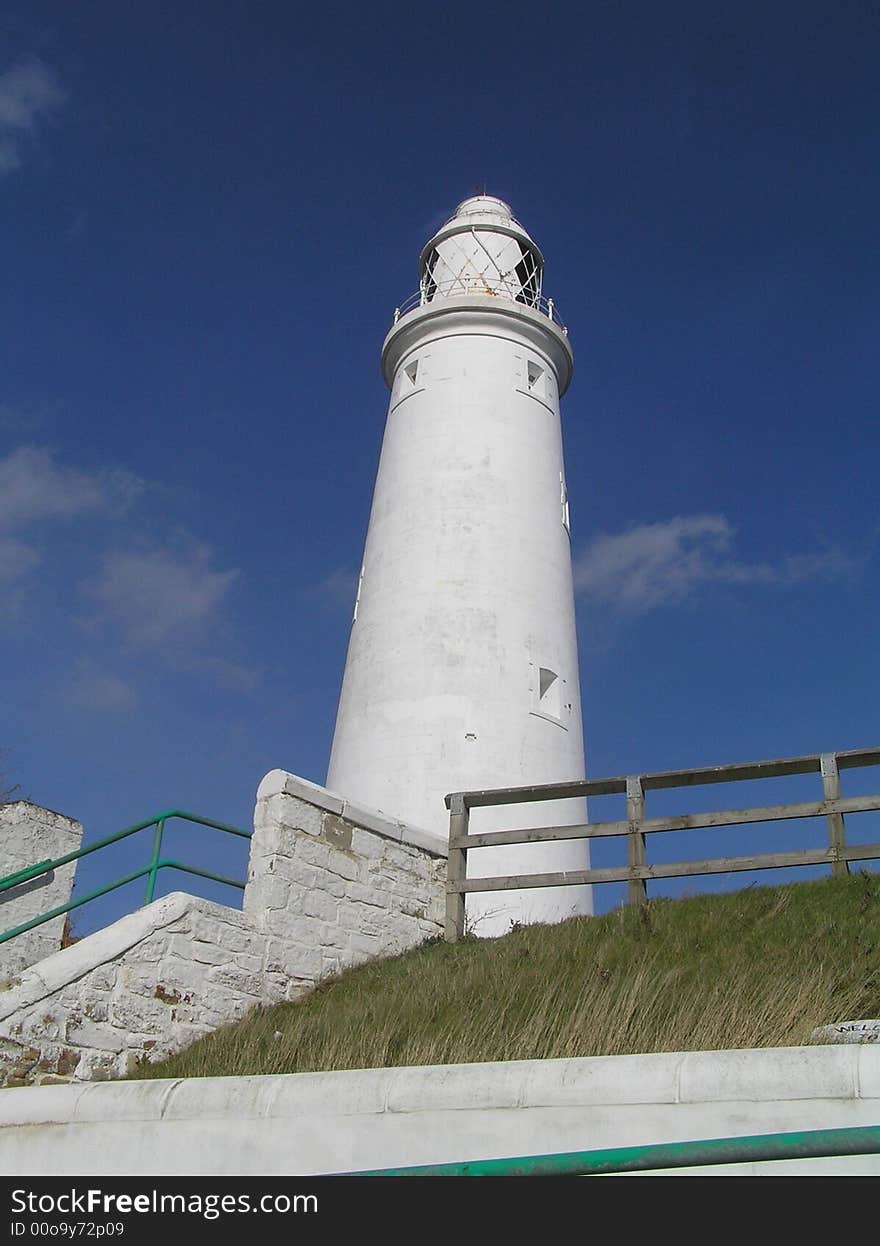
(636, 888)
(836, 831)
(456, 868)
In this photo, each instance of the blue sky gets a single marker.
(209, 213)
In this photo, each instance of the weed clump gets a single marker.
(755, 968)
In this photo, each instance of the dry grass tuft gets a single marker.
(755, 968)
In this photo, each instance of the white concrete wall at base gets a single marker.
(30, 834)
(330, 886)
(313, 1123)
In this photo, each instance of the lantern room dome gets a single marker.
(482, 249)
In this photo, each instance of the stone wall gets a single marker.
(342, 882)
(144, 986)
(330, 885)
(28, 835)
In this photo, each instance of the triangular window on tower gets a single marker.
(534, 376)
(549, 693)
(411, 371)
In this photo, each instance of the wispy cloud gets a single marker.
(35, 489)
(93, 687)
(76, 226)
(29, 95)
(34, 486)
(20, 420)
(337, 589)
(160, 596)
(16, 558)
(156, 592)
(221, 672)
(661, 563)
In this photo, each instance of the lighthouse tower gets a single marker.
(462, 669)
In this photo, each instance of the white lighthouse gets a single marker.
(462, 669)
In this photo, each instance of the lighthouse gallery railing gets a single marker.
(636, 827)
(468, 286)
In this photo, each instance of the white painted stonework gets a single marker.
(330, 885)
(29, 834)
(144, 986)
(339, 880)
(462, 668)
(314, 1123)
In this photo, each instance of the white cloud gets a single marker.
(337, 589)
(29, 95)
(656, 564)
(223, 673)
(161, 596)
(33, 486)
(21, 420)
(94, 688)
(16, 558)
(12, 606)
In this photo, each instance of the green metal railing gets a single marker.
(810, 1144)
(150, 871)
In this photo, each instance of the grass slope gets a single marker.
(754, 968)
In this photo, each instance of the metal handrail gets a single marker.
(151, 870)
(461, 288)
(802, 1144)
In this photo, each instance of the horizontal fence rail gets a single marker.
(636, 827)
(150, 870)
(755, 1148)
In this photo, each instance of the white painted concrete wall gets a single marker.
(330, 886)
(339, 880)
(313, 1123)
(142, 987)
(466, 594)
(30, 834)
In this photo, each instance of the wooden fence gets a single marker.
(637, 871)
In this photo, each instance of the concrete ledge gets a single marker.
(71, 963)
(139, 989)
(312, 1123)
(279, 782)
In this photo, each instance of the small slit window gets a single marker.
(534, 375)
(357, 599)
(411, 372)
